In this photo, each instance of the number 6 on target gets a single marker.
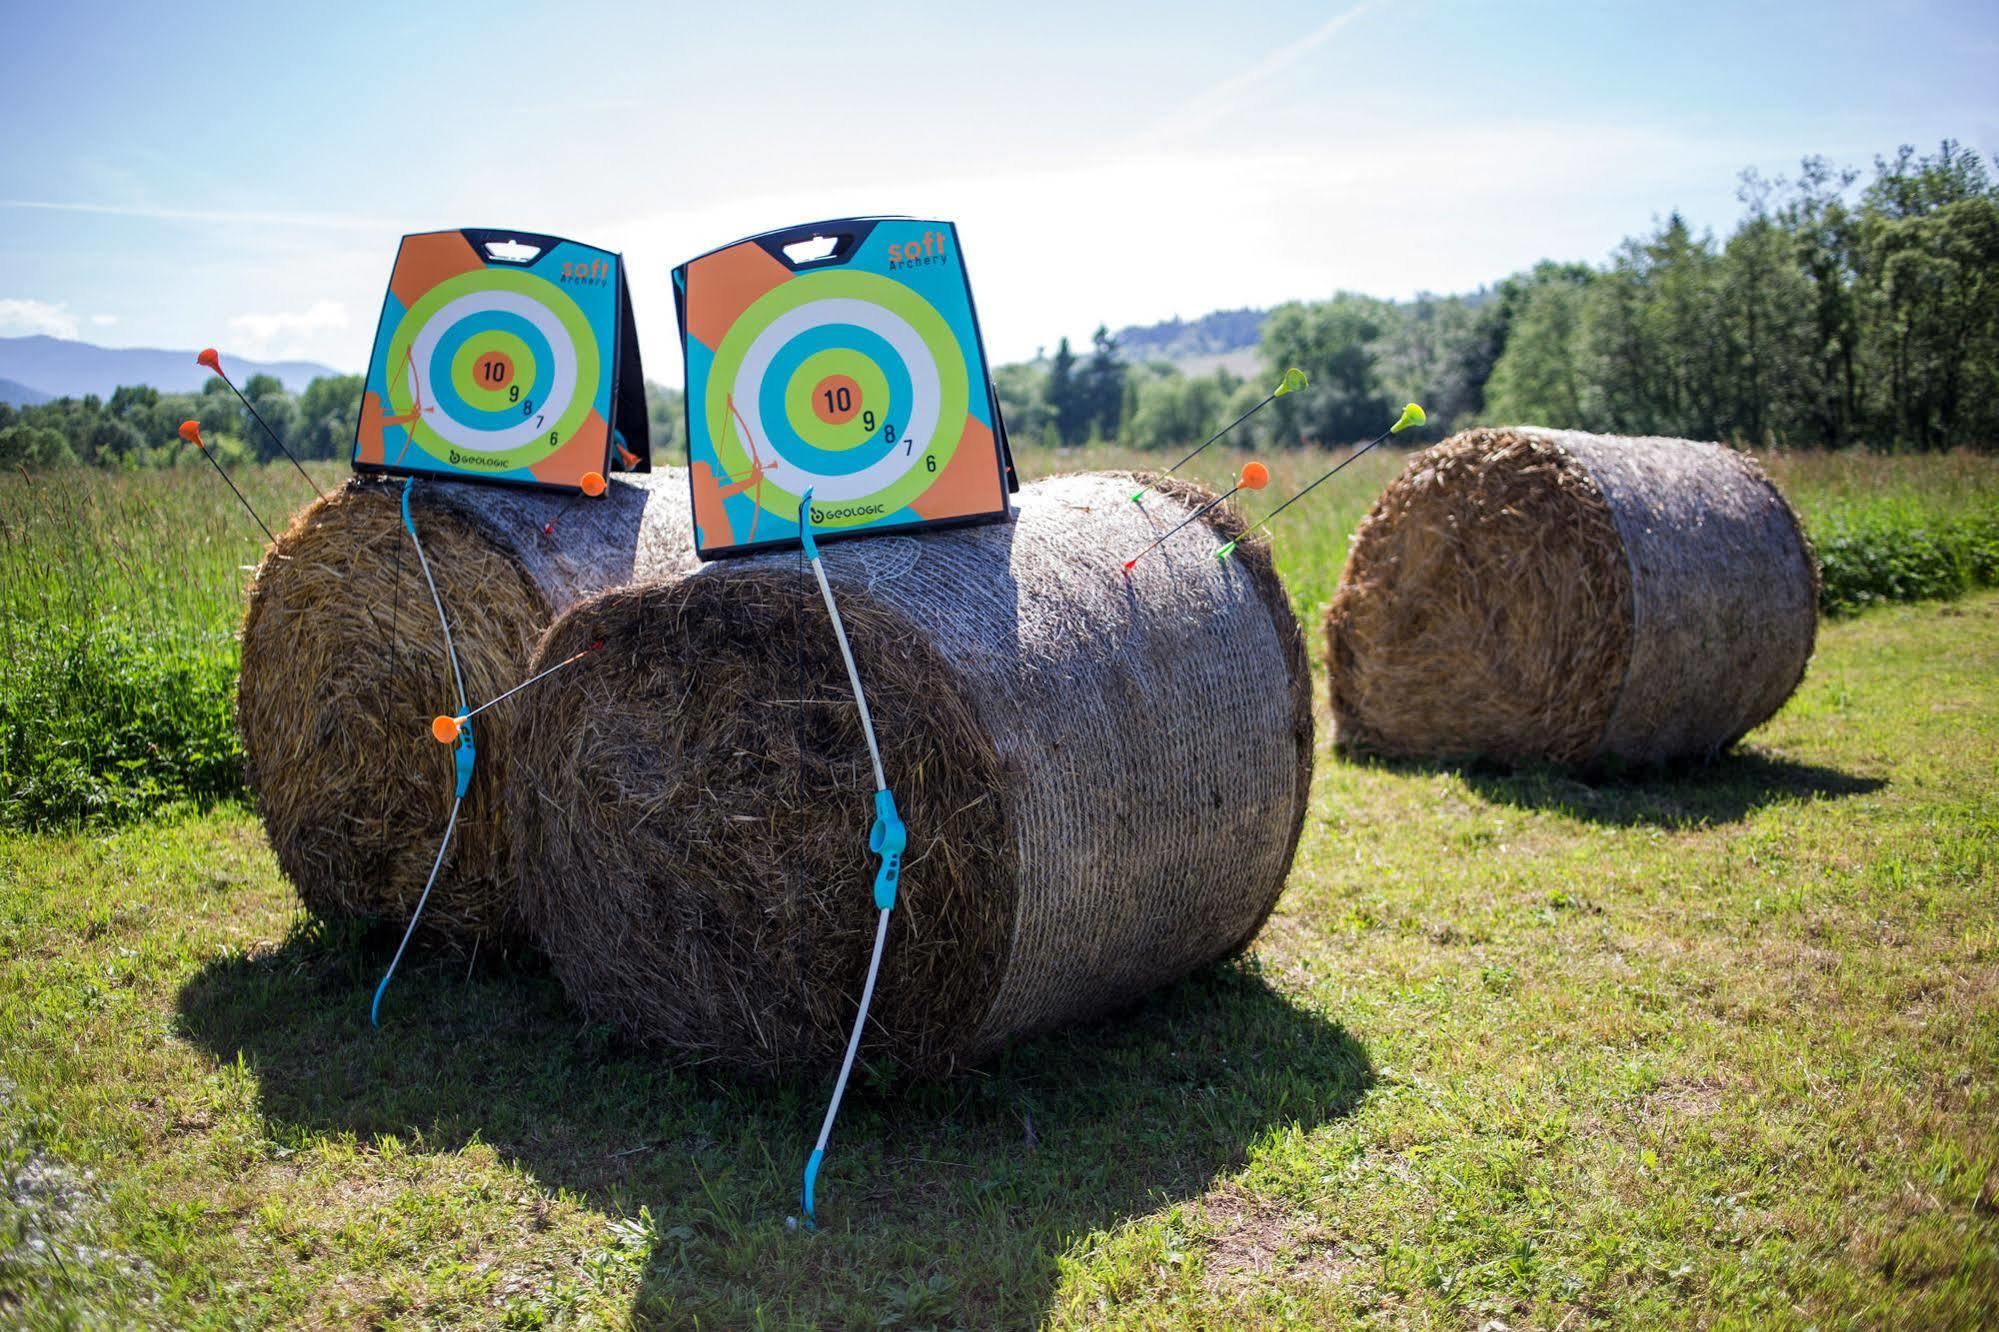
(842, 358)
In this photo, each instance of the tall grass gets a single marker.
(121, 593)
(1896, 528)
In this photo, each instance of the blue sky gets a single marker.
(180, 175)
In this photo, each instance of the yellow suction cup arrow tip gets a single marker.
(1412, 415)
(1294, 379)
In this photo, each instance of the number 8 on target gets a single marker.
(842, 357)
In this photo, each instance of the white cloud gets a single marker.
(103, 320)
(287, 333)
(1204, 110)
(19, 317)
(228, 217)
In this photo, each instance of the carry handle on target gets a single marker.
(848, 234)
(483, 240)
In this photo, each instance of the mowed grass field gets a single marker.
(1713, 1046)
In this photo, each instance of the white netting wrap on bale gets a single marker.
(1528, 594)
(344, 664)
(1103, 782)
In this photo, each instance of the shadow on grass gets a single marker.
(941, 1202)
(1686, 794)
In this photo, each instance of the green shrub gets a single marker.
(103, 724)
(1898, 555)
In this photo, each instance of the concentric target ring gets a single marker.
(480, 319)
(825, 331)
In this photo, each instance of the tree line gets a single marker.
(1834, 313)
(139, 426)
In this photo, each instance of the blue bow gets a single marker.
(465, 756)
(887, 839)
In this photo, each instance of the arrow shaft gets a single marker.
(1219, 433)
(538, 675)
(1322, 480)
(274, 435)
(1167, 535)
(239, 494)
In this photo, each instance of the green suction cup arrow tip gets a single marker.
(1294, 379)
(1412, 415)
(1225, 551)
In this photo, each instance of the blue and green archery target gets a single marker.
(502, 364)
(859, 376)
(852, 383)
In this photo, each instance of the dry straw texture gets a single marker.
(344, 665)
(1103, 782)
(1527, 594)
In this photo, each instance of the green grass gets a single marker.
(120, 594)
(1707, 1047)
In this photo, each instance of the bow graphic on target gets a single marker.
(756, 466)
(417, 409)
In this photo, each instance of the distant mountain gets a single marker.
(58, 367)
(20, 395)
(1212, 335)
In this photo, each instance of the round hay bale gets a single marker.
(1526, 594)
(344, 665)
(1103, 782)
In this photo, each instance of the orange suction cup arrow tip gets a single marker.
(627, 457)
(1255, 476)
(443, 729)
(210, 358)
(191, 432)
(593, 484)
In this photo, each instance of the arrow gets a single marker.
(213, 361)
(1255, 476)
(592, 485)
(1294, 379)
(191, 432)
(445, 728)
(1412, 415)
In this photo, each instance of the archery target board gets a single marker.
(504, 357)
(859, 375)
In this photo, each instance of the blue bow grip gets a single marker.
(811, 1179)
(805, 525)
(465, 754)
(887, 839)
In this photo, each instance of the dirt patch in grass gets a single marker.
(1258, 1240)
